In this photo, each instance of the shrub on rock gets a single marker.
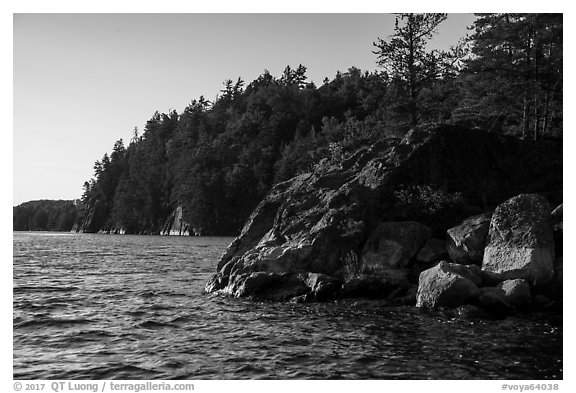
(393, 245)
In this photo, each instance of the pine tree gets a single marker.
(515, 74)
(405, 58)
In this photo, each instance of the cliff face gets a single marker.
(176, 226)
(93, 219)
(319, 223)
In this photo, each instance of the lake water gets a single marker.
(133, 307)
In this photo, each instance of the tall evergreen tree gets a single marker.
(405, 58)
(514, 78)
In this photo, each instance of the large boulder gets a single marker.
(447, 284)
(466, 241)
(520, 241)
(320, 222)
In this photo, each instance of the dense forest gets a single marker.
(45, 215)
(218, 159)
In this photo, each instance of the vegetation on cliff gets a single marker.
(366, 222)
(217, 160)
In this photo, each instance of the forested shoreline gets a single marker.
(45, 215)
(218, 159)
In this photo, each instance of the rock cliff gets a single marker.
(176, 226)
(349, 227)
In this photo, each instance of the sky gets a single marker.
(83, 81)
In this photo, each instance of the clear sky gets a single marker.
(83, 81)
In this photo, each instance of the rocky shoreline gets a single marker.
(445, 217)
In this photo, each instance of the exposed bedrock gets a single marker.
(370, 225)
(175, 225)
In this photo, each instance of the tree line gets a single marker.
(45, 215)
(218, 159)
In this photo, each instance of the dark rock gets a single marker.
(416, 269)
(216, 282)
(322, 287)
(555, 289)
(471, 272)
(495, 304)
(488, 279)
(446, 284)
(393, 245)
(269, 286)
(386, 283)
(557, 285)
(428, 256)
(512, 292)
(465, 242)
(409, 298)
(556, 218)
(256, 282)
(516, 292)
(433, 251)
(365, 286)
(521, 243)
(392, 283)
(544, 302)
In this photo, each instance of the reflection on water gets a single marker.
(132, 307)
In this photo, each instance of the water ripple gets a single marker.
(131, 307)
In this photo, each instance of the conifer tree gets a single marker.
(405, 58)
